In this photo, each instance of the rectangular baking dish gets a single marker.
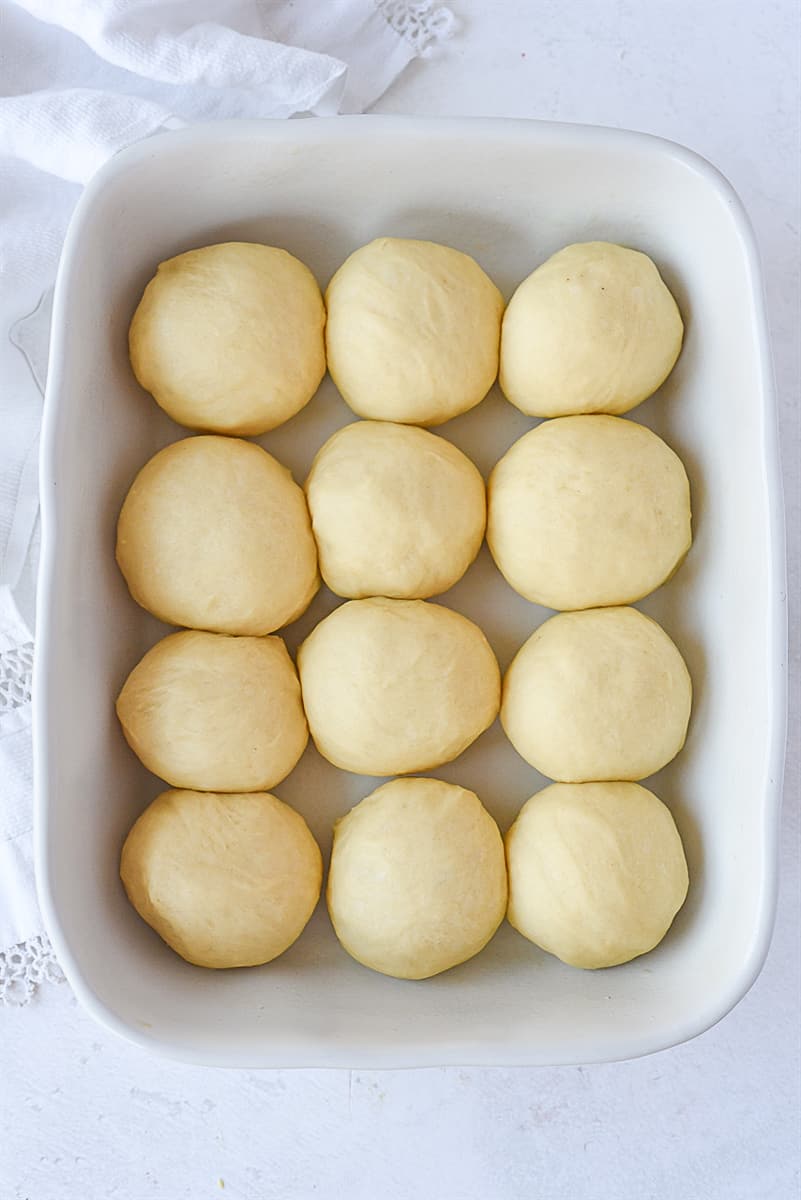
(509, 193)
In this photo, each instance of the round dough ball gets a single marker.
(413, 331)
(585, 512)
(230, 338)
(594, 329)
(394, 686)
(226, 880)
(599, 694)
(215, 713)
(596, 872)
(418, 879)
(396, 511)
(215, 534)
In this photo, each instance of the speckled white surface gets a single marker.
(84, 1115)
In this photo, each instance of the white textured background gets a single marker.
(83, 1115)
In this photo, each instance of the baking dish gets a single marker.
(509, 193)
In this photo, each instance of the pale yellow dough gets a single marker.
(396, 511)
(600, 694)
(226, 880)
(229, 338)
(418, 879)
(588, 511)
(215, 534)
(596, 872)
(413, 331)
(594, 329)
(215, 713)
(394, 686)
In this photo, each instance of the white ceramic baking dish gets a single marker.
(509, 193)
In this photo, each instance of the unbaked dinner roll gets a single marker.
(596, 872)
(594, 329)
(215, 713)
(599, 694)
(229, 338)
(394, 686)
(215, 534)
(396, 511)
(226, 880)
(418, 879)
(588, 511)
(413, 331)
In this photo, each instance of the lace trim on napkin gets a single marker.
(418, 22)
(23, 967)
(27, 964)
(16, 672)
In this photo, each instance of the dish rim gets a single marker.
(417, 1051)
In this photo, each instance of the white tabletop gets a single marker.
(85, 1115)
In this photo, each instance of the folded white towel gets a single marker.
(80, 79)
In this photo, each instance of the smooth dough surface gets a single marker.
(596, 872)
(394, 686)
(229, 338)
(413, 331)
(215, 534)
(418, 880)
(215, 713)
(599, 694)
(594, 329)
(588, 511)
(226, 880)
(396, 511)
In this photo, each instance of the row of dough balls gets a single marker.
(393, 687)
(235, 338)
(418, 882)
(582, 512)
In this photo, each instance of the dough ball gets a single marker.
(226, 880)
(588, 511)
(394, 686)
(600, 694)
(594, 329)
(396, 511)
(230, 338)
(413, 331)
(596, 872)
(215, 534)
(216, 713)
(418, 879)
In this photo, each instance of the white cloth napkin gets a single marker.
(80, 79)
